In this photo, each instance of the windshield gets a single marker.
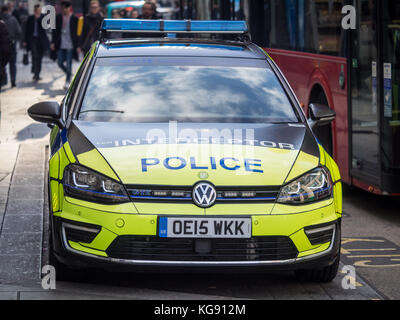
(162, 90)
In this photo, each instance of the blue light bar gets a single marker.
(130, 25)
(174, 26)
(219, 25)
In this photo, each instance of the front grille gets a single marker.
(179, 194)
(265, 248)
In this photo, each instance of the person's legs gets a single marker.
(13, 64)
(3, 76)
(40, 58)
(69, 56)
(35, 59)
(61, 57)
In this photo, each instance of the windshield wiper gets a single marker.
(114, 111)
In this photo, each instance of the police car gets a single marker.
(187, 153)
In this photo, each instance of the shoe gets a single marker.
(13, 85)
(66, 85)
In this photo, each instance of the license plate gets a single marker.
(171, 227)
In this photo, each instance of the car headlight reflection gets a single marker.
(85, 184)
(313, 186)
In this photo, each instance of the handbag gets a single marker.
(25, 58)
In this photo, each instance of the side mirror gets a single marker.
(320, 115)
(47, 112)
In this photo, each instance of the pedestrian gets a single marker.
(11, 9)
(36, 40)
(5, 50)
(22, 16)
(91, 27)
(115, 14)
(65, 40)
(134, 14)
(14, 33)
(149, 11)
(176, 11)
(20, 13)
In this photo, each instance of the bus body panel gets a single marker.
(304, 71)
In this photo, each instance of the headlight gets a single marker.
(313, 186)
(83, 183)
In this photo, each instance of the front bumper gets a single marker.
(297, 227)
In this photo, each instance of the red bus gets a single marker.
(356, 72)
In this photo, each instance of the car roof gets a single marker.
(179, 47)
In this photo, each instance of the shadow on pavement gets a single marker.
(33, 131)
(45, 86)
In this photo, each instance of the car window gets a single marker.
(75, 84)
(161, 90)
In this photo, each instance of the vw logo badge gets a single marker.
(204, 194)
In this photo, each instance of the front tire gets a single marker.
(326, 274)
(63, 272)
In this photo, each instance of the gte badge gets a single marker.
(204, 194)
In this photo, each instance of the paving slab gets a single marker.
(19, 269)
(25, 207)
(20, 243)
(5, 179)
(26, 192)
(31, 179)
(4, 194)
(22, 223)
(8, 295)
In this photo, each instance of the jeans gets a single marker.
(65, 56)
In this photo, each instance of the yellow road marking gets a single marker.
(385, 249)
(375, 256)
(349, 240)
(364, 263)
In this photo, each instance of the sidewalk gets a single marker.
(22, 177)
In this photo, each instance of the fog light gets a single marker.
(78, 233)
(320, 235)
